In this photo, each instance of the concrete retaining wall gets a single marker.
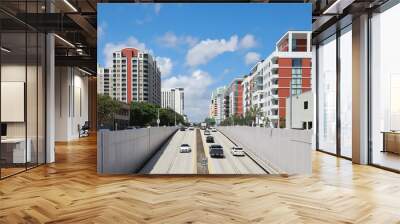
(282, 150)
(126, 151)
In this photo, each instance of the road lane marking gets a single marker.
(207, 153)
(194, 153)
(176, 154)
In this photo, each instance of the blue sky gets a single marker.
(198, 46)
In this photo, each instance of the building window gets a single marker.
(305, 105)
(296, 62)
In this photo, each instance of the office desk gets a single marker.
(13, 150)
(391, 141)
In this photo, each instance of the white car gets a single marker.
(214, 130)
(185, 148)
(207, 132)
(237, 151)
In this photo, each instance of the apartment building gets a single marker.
(286, 72)
(134, 76)
(174, 99)
(217, 107)
(253, 88)
(104, 80)
(235, 96)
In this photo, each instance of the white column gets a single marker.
(50, 99)
(290, 42)
(309, 42)
(360, 90)
(314, 91)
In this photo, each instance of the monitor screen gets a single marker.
(3, 129)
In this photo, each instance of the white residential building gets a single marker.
(134, 76)
(286, 71)
(104, 81)
(217, 104)
(300, 111)
(174, 99)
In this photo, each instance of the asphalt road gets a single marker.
(168, 160)
(230, 164)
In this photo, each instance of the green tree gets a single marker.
(143, 114)
(210, 121)
(254, 113)
(106, 109)
(282, 122)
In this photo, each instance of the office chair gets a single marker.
(84, 131)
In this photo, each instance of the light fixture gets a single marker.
(64, 40)
(5, 50)
(70, 5)
(86, 72)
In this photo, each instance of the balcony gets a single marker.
(274, 86)
(273, 117)
(274, 76)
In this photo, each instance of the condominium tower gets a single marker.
(286, 72)
(134, 76)
(217, 104)
(174, 99)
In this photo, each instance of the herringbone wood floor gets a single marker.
(70, 191)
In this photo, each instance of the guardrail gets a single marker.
(279, 150)
(126, 151)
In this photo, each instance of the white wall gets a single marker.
(283, 150)
(299, 114)
(71, 102)
(126, 151)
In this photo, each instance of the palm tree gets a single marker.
(254, 113)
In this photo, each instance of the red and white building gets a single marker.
(134, 76)
(286, 72)
(235, 96)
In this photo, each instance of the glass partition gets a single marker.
(327, 95)
(385, 89)
(22, 87)
(346, 92)
(13, 95)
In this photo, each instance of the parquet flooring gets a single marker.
(70, 191)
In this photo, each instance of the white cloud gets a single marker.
(208, 49)
(196, 87)
(101, 30)
(226, 71)
(110, 48)
(248, 41)
(252, 58)
(157, 8)
(170, 39)
(165, 64)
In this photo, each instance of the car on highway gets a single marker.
(191, 128)
(237, 151)
(216, 151)
(210, 139)
(185, 148)
(182, 129)
(207, 132)
(214, 130)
